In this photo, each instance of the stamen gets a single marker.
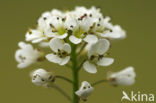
(90, 15)
(71, 26)
(98, 24)
(45, 18)
(84, 87)
(99, 19)
(92, 57)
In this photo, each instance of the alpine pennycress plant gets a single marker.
(77, 39)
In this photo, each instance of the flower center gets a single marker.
(61, 30)
(95, 58)
(61, 53)
(79, 33)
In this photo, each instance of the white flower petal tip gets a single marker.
(27, 55)
(125, 77)
(91, 39)
(63, 36)
(89, 67)
(85, 90)
(75, 40)
(105, 61)
(61, 52)
(41, 77)
(53, 58)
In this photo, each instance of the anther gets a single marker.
(90, 15)
(71, 26)
(45, 18)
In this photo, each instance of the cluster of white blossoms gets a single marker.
(88, 30)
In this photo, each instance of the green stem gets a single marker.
(99, 82)
(63, 78)
(75, 73)
(62, 92)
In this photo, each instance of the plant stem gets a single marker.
(61, 91)
(64, 78)
(75, 73)
(98, 82)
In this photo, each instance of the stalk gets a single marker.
(74, 73)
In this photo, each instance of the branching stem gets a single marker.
(64, 78)
(62, 92)
(99, 82)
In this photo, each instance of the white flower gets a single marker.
(41, 77)
(92, 12)
(80, 27)
(96, 56)
(124, 77)
(116, 33)
(27, 55)
(61, 52)
(56, 27)
(37, 35)
(85, 90)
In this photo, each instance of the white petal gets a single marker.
(103, 46)
(24, 65)
(75, 40)
(65, 60)
(124, 77)
(36, 34)
(89, 67)
(44, 44)
(23, 45)
(99, 48)
(53, 58)
(62, 36)
(56, 44)
(125, 80)
(91, 39)
(105, 61)
(67, 48)
(38, 40)
(128, 71)
(117, 33)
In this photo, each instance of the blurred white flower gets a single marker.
(35, 36)
(41, 77)
(96, 56)
(116, 33)
(85, 90)
(125, 77)
(61, 51)
(38, 35)
(27, 55)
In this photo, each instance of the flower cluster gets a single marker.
(83, 36)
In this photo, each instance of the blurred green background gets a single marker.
(137, 17)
